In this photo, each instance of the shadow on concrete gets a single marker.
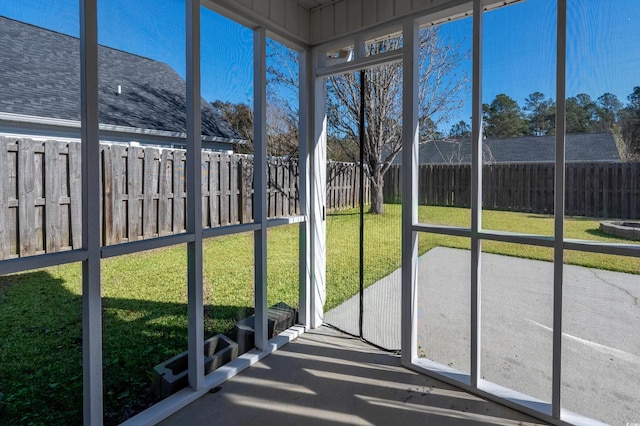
(325, 377)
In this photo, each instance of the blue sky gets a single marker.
(519, 49)
(519, 44)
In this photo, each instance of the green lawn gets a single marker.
(145, 303)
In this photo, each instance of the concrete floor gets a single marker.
(326, 377)
(601, 316)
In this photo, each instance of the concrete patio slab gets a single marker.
(601, 316)
(326, 377)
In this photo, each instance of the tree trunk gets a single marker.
(377, 196)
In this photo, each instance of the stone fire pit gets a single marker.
(622, 228)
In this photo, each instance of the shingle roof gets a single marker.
(587, 147)
(40, 76)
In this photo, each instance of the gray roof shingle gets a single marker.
(585, 147)
(40, 76)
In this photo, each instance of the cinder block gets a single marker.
(280, 317)
(171, 375)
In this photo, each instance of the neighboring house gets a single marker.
(579, 147)
(141, 100)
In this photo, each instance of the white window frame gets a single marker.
(92, 253)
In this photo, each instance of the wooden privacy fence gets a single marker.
(343, 186)
(602, 189)
(143, 193)
(40, 190)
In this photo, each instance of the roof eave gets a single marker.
(108, 129)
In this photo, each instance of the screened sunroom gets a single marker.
(320, 211)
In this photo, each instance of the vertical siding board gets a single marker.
(276, 11)
(261, 7)
(52, 195)
(341, 17)
(328, 21)
(292, 17)
(354, 15)
(304, 23)
(385, 10)
(402, 7)
(369, 13)
(316, 25)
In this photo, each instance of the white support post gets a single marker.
(558, 250)
(260, 184)
(91, 297)
(305, 89)
(194, 200)
(476, 195)
(318, 196)
(411, 134)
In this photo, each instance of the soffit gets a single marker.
(312, 4)
(315, 22)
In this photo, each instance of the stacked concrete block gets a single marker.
(280, 317)
(171, 375)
